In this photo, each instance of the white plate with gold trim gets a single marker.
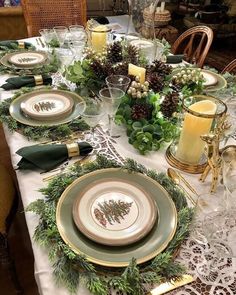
(114, 212)
(48, 106)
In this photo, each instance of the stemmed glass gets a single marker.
(93, 114)
(77, 33)
(61, 33)
(112, 98)
(118, 81)
(77, 47)
(48, 36)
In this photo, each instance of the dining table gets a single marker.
(118, 149)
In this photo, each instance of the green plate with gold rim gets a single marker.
(17, 113)
(117, 256)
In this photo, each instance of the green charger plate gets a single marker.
(117, 256)
(221, 82)
(18, 115)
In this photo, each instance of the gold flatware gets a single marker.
(175, 176)
(173, 284)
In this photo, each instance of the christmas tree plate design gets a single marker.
(25, 59)
(114, 212)
(49, 106)
(17, 110)
(144, 249)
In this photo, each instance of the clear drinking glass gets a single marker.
(78, 33)
(61, 32)
(48, 36)
(146, 47)
(118, 81)
(112, 98)
(93, 114)
(78, 48)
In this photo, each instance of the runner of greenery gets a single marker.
(38, 132)
(71, 269)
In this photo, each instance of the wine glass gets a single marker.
(112, 98)
(61, 33)
(77, 33)
(93, 113)
(48, 36)
(118, 81)
(228, 157)
(78, 48)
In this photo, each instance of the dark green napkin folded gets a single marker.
(47, 157)
(174, 59)
(24, 81)
(12, 44)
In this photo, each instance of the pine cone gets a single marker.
(141, 111)
(114, 52)
(156, 82)
(101, 70)
(159, 67)
(132, 54)
(121, 69)
(170, 104)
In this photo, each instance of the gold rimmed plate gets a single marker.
(48, 106)
(117, 256)
(114, 212)
(18, 114)
(25, 59)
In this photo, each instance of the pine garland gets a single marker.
(70, 269)
(38, 132)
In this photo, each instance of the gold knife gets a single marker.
(188, 184)
(169, 286)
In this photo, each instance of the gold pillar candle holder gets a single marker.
(99, 37)
(201, 115)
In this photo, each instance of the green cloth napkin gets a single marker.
(24, 81)
(47, 157)
(12, 44)
(174, 59)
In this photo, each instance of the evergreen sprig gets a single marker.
(37, 132)
(70, 269)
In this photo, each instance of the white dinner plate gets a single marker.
(114, 212)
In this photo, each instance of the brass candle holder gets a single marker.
(202, 115)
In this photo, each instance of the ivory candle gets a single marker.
(191, 146)
(137, 71)
(99, 38)
(162, 6)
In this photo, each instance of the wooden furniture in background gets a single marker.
(12, 23)
(230, 68)
(8, 207)
(48, 13)
(195, 44)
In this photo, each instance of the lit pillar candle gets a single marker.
(137, 71)
(99, 38)
(162, 6)
(191, 146)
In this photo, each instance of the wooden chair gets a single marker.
(195, 44)
(8, 207)
(230, 68)
(41, 14)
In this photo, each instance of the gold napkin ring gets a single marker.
(38, 80)
(21, 44)
(73, 149)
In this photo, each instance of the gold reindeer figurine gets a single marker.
(213, 159)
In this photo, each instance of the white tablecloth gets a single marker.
(30, 182)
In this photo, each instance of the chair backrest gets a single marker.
(8, 200)
(41, 14)
(195, 44)
(230, 68)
